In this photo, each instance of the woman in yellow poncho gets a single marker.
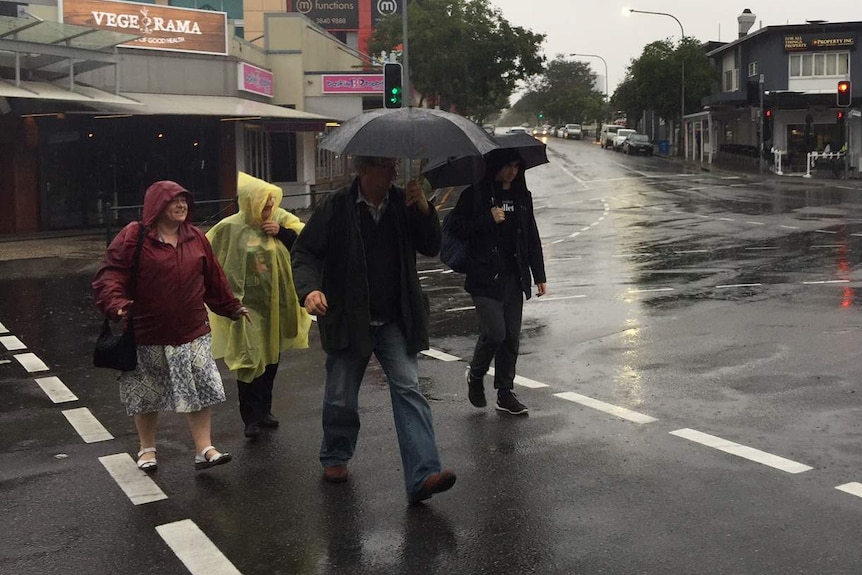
(253, 248)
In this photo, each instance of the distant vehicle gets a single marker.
(572, 132)
(540, 131)
(518, 130)
(621, 136)
(489, 129)
(638, 144)
(607, 137)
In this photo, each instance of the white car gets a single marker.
(620, 137)
(517, 130)
(572, 131)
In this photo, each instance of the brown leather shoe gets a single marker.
(436, 483)
(335, 473)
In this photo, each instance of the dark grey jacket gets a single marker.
(472, 221)
(329, 256)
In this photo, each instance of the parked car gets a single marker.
(621, 136)
(638, 144)
(518, 130)
(606, 139)
(572, 132)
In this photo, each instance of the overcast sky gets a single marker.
(599, 27)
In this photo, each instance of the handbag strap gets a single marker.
(133, 278)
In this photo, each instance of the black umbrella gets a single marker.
(465, 170)
(414, 133)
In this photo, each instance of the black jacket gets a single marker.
(472, 221)
(329, 256)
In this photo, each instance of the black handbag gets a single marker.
(120, 352)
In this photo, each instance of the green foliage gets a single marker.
(565, 93)
(463, 53)
(653, 80)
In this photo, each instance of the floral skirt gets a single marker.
(182, 378)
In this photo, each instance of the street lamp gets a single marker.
(607, 96)
(628, 11)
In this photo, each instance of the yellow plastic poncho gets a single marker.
(258, 269)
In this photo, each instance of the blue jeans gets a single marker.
(344, 371)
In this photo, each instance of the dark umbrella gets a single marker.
(414, 133)
(465, 170)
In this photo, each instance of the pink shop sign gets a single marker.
(352, 83)
(255, 80)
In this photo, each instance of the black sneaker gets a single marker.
(475, 389)
(508, 402)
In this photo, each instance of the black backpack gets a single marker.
(453, 251)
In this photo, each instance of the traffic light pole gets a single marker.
(405, 78)
(762, 126)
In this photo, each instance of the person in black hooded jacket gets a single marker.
(496, 218)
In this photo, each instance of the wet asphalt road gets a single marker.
(689, 315)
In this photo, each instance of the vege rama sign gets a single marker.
(160, 27)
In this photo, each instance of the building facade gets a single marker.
(794, 71)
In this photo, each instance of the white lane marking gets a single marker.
(574, 235)
(822, 282)
(677, 212)
(606, 407)
(727, 219)
(702, 216)
(756, 223)
(761, 248)
(680, 252)
(789, 227)
(585, 229)
(195, 550)
(558, 241)
(564, 259)
(435, 271)
(2, 361)
(87, 426)
(857, 235)
(573, 176)
(825, 232)
(441, 355)
(56, 390)
(531, 383)
(469, 307)
(853, 488)
(558, 298)
(651, 290)
(743, 451)
(12, 343)
(3, 329)
(31, 362)
(825, 246)
(136, 484)
(736, 286)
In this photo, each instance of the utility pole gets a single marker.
(762, 113)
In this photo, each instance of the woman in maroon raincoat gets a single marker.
(178, 276)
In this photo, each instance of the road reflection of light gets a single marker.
(844, 271)
(628, 378)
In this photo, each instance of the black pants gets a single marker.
(255, 397)
(499, 333)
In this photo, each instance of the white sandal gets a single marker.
(203, 462)
(147, 465)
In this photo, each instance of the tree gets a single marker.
(463, 53)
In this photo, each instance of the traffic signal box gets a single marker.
(767, 124)
(393, 90)
(845, 93)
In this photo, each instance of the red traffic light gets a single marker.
(840, 114)
(767, 114)
(845, 93)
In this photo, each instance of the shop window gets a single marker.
(257, 152)
(283, 154)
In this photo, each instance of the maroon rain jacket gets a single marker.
(173, 283)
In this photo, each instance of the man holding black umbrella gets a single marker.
(354, 267)
(496, 217)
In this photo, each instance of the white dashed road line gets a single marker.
(3, 329)
(737, 286)
(31, 362)
(87, 426)
(743, 451)
(651, 290)
(441, 355)
(195, 550)
(606, 407)
(853, 488)
(136, 484)
(530, 383)
(12, 343)
(823, 282)
(56, 390)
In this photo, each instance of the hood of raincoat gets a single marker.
(157, 198)
(258, 269)
(251, 195)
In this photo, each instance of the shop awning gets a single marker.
(219, 106)
(48, 91)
